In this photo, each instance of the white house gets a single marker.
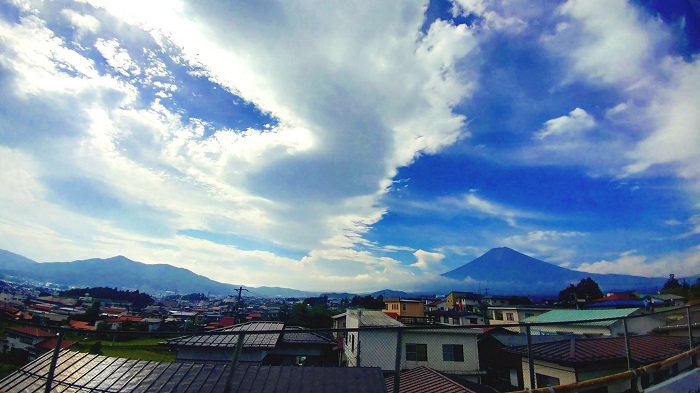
(448, 349)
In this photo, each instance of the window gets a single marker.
(394, 306)
(452, 352)
(473, 321)
(546, 380)
(417, 352)
(498, 315)
(403, 307)
(509, 316)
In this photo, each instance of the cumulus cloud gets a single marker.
(426, 260)
(84, 23)
(577, 121)
(682, 263)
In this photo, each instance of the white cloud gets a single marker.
(84, 23)
(550, 246)
(473, 203)
(428, 260)
(577, 121)
(682, 263)
(117, 57)
(494, 16)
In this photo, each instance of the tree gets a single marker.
(586, 289)
(96, 348)
(672, 283)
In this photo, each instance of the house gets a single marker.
(33, 341)
(679, 327)
(404, 307)
(512, 315)
(574, 321)
(77, 371)
(667, 300)
(495, 301)
(456, 318)
(374, 344)
(579, 359)
(462, 301)
(503, 369)
(265, 343)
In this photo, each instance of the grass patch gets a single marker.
(140, 349)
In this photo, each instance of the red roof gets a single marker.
(30, 331)
(50, 344)
(424, 379)
(617, 296)
(81, 325)
(645, 349)
(392, 314)
(113, 310)
(131, 318)
(42, 307)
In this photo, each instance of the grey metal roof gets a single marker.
(374, 318)
(221, 340)
(299, 335)
(79, 372)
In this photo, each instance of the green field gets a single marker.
(141, 349)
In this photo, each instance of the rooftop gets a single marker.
(251, 340)
(583, 315)
(645, 349)
(84, 372)
(424, 379)
(375, 318)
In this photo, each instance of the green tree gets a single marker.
(587, 289)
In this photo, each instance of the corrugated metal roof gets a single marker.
(252, 340)
(299, 335)
(373, 318)
(78, 372)
(645, 349)
(423, 379)
(582, 315)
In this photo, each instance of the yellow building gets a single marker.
(404, 307)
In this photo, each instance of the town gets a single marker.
(479, 342)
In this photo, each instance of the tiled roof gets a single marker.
(50, 344)
(298, 335)
(252, 340)
(84, 372)
(373, 318)
(423, 379)
(577, 316)
(30, 331)
(645, 349)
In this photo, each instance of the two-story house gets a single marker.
(512, 315)
(374, 344)
(462, 301)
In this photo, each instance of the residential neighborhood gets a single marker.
(469, 341)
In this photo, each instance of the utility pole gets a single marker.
(238, 303)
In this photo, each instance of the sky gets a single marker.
(352, 145)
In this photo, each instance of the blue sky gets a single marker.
(352, 146)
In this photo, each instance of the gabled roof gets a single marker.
(424, 379)
(31, 331)
(50, 344)
(222, 340)
(645, 349)
(299, 335)
(375, 318)
(579, 316)
(84, 372)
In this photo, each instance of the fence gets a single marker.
(616, 353)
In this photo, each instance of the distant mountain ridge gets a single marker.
(122, 272)
(505, 270)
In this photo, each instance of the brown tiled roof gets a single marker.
(30, 331)
(50, 344)
(424, 379)
(645, 349)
